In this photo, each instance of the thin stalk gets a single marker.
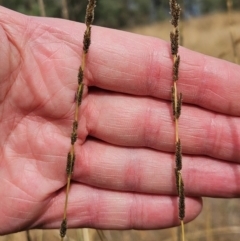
(101, 235)
(86, 234)
(234, 46)
(229, 4)
(71, 154)
(79, 234)
(28, 235)
(177, 105)
(209, 234)
(41, 238)
(65, 9)
(42, 8)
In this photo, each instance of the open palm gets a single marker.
(124, 171)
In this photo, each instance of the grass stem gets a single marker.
(71, 155)
(86, 234)
(42, 8)
(229, 4)
(177, 105)
(183, 230)
(65, 13)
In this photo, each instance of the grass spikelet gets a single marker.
(63, 228)
(179, 106)
(71, 154)
(178, 155)
(175, 10)
(229, 4)
(181, 194)
(176, 68)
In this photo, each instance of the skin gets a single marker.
(124, 171)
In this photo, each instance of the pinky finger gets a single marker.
(104, 209)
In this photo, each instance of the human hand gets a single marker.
(124, 170)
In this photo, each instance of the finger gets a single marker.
(97, 208)
(129, 63)
(143, 66)
(142, 122)
(148, 171)
(134, 64)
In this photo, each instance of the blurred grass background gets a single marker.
(205, 29)
(208, 34)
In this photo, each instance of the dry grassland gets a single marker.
(209, 35)
(220, 219)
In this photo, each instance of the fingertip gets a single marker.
(193, 208)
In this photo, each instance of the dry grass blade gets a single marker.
(42, 8)
(65, 13)
(234, 46)
(101, 235)
(229, 4)
(28, 235)
(86, 234)
(177, 106)
(71, 154)
(209, 235)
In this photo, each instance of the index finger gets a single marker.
(129, 63)
(138, 65)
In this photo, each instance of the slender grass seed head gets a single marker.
(80, 75)
(175, 12)
(174, 37)
(75, 126)
(173, 102)
(181, 200)
(87, 40)
(73, 138)
(176, 68)
(177, 173)
(90, 12)
(179, 106)
(178, 155)
(70, 163)
(63, 228)
(71, 154)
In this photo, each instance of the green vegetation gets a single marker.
(119, 14)
(211, 5)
